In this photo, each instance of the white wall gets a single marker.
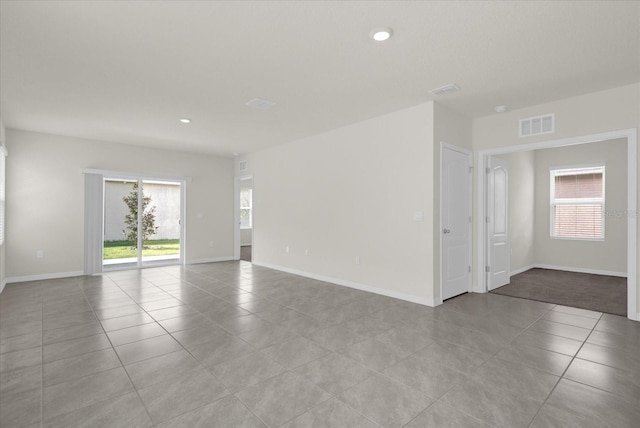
(609, 255)
(352, 192)
(45, 191)
(521, 208)
(593, 113)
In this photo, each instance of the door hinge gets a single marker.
(488, 170)
(470, 169)
(487, 269)
(469, 268)
(487, 219)
(469, 219)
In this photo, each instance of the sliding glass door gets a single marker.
(160, 222)
(120, 240)
(142, 222)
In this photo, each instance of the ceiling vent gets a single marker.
(261, 104)
(451, 87)
(537, 125)
(243, 165)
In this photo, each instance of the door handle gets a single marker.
(445, 231)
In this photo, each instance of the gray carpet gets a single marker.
(245, 253)
(580, 290)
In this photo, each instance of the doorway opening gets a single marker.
(553, 252)
(142, 223)
(245, 218)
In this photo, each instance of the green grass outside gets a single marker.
(127, 249)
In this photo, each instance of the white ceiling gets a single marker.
(126, 71)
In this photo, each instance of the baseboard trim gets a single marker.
(2, 284)
(477, 288)
(581, 270)
(44, 276)
(358, 286)
(211, 260)
(522, 269)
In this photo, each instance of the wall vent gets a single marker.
(451, 87)
(537, 125)
(243, 165)
(260, 103)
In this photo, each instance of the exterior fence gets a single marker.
(165, 197)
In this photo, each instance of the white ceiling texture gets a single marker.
(127, 71)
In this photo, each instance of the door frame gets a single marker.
(632, 204)
(93, 248)
(140, 179)
(469, 154)
(236, 215)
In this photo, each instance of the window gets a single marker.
(577, 203)
(245, 208)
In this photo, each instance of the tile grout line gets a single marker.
(599, 363)
(523, 330)
(117, 356)
(231, 393)
(564, 372)
(42, 357)
(494, 355)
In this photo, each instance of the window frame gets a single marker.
(553, 202)
(250, 208)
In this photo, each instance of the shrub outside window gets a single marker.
(245, 208)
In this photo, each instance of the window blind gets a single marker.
(93, 222)
(578, 186)
(578, 221)
(577, 203)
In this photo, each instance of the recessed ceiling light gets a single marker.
(381, 34)
(501, 109)
(185, 120)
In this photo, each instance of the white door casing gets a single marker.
(455, 221)
(498, 251)
(94, 213)
(631, 136)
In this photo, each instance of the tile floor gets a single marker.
(235, 345)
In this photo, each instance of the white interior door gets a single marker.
(498, 251)
(455, 203)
